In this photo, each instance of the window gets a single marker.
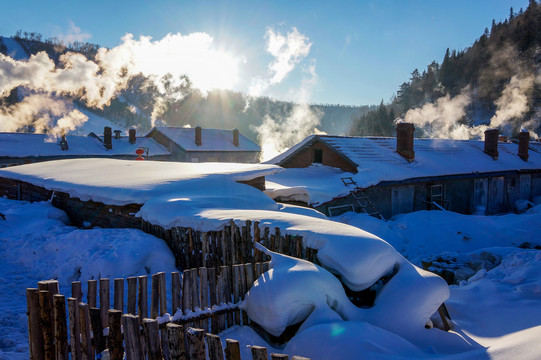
(436, 197)
(318, 156)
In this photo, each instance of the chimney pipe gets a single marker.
(198, 135)
(523, 144)
(491, 142)
(64, 143)
(236, 137)
(131, 133)
(107, 138)
(404, 140)
(117, 134)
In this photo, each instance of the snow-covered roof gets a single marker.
(211, 139)
(377, 161)
(14, 49)
(121, 182)
(19, 145)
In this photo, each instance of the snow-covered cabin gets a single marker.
(389, 176)
(206, 145)
(26, 148)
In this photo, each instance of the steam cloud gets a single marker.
(278, 134)
(97, 82)
(444, 117)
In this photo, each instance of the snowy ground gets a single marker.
(497, 312)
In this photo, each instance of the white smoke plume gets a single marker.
(512, 104)
(97, 82)
(288, 51)
(277, 135)
(442, 119)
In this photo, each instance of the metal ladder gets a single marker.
(362, 199)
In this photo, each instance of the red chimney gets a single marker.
(131, 133)
(404, 140)
(198, 136)
(107, 138)
(491, 142)
(523, 144)
(236, 137)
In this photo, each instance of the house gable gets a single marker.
(318, 151)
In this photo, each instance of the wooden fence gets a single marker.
(203, 298)
(229, 246)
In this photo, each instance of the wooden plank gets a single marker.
(46, 317)
(220, 299)
(163, 293)
(75, 328)
(105, 301)
(191, 249)
(259, 353)
(232, 350)
(155, 296)
(196, 344)
(204, 249)
(52, 287)
(257, 239)
(132, 295)
(60, 327)
(223, 243)
(119, 294)
(132, 337)
(213, 297)
(116, 350)
(214, 347)
(249, 243)
(175, 292)
(151, 333)
(227, 294)
(76, 290)
(86, 342)
(249, 270)
(186, 291)
(92, 292)
(242, 291)
(142, 297)
(204, 294)
(175, 339)
(35, 335)
(236, 291)
(97, 329)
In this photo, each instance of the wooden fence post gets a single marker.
(132, 295)
(60, 327)
(155, 297)
(175, 337)
(35, 334)
(213, 298)
(92, 292)
(196, 344)
(132, 337)
(76, 291)
(142, 297)
(186, 291)
(259, 353)
(116, 350)
(195, 294)
(175, 292)
(119, 294)
(97, 329)
(105, 301)
(163, 293)
(46, 317)
(214, 347)
(75, 328)
(86, 342)
(204, 291)
(151, 333)
(232, 350)
(236, 291)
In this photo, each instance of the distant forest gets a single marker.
(184, 104)
(507, 48)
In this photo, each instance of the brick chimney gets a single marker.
(107, 138)
(198, 135)
(64, 143)
(132, 137)
(491, 142)
(236, 137)
(404, 140)
(523, 144)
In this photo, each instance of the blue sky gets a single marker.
(361, 50)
